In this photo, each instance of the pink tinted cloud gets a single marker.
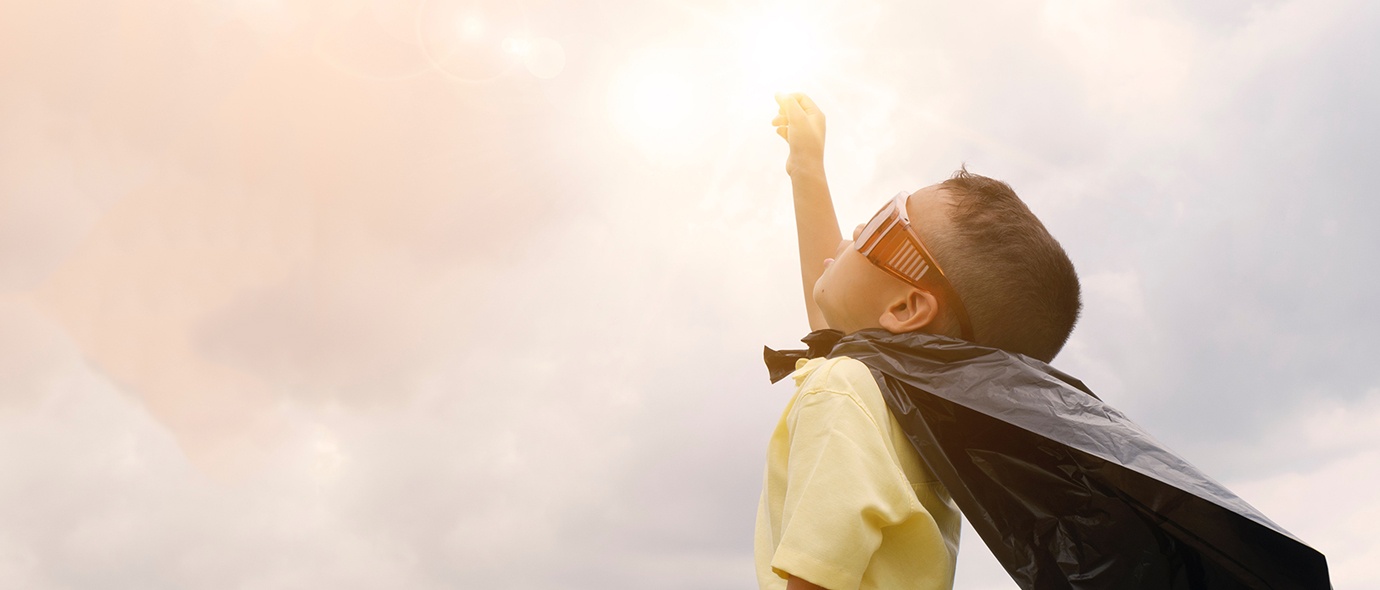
(223, 207)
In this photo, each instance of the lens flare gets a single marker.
(472, 41)
(545, 58)
(518, 46)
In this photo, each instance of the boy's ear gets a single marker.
(913, 310)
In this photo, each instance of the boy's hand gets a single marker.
(801, 124)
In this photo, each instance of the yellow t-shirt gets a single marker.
(846, 501)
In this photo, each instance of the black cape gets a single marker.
(1064, 489)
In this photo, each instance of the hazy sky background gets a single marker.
(442, 294)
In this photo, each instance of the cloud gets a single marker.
(232, 191)
(57, 177)
(1326, 498)
(112, 501)
(34, 356)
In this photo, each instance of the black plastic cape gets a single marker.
(1064, 489)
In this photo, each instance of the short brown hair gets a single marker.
(1019, 286)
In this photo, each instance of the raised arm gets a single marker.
(801, 124)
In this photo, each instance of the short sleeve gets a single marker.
(842, 489)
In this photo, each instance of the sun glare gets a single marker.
(666, 98)
(780, 54)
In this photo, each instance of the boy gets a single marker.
(927, 387)
(846, 501)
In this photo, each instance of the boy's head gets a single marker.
(1017, 284)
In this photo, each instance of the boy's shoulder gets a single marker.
(826, 372)
(840, 375)
(841, 386)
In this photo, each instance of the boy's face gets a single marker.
(853, 293)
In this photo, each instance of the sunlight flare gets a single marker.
(781, 54)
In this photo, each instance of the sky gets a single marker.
(471, 294)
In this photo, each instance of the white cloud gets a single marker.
(1329, 500)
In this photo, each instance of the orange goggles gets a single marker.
(890, 242)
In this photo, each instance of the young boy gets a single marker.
(846, 501)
